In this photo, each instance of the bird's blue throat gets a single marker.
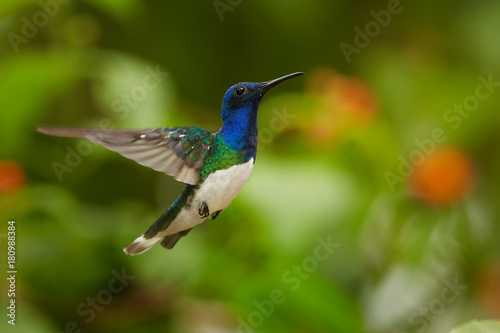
(240, 129)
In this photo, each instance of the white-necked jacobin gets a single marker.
(214, 165)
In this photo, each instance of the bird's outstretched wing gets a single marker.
(176, 151)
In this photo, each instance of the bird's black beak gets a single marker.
(269, 84)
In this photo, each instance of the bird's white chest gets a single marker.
(222, 186)
(217, 192)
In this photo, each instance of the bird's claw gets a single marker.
(203, 210)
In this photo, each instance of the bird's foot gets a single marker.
(203, 210)
(214, 215)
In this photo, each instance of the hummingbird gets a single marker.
(213, 165)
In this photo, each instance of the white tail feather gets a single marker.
(141, 245)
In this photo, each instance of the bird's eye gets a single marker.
(240, 90)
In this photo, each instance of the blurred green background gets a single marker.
(373, 205)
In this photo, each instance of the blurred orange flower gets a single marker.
(12, 176)
(443, 177)
(345, 103)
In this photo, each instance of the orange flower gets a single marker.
(344, 104)
(443, 177)
(12, 176)
(351, 95)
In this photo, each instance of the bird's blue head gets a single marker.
(239, 112)
(247, 96)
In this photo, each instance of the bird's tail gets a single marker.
(141, 245)
(144, 242)
(156, 232)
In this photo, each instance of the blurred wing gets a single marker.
(176, 151)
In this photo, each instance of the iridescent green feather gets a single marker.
(220, 157)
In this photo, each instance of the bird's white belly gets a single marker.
(217, 191)
(222, 186)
